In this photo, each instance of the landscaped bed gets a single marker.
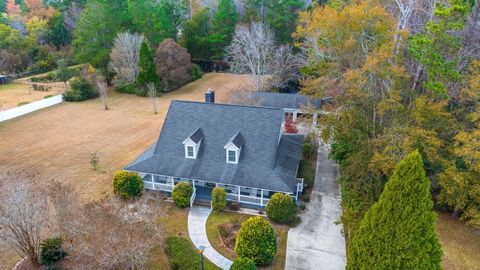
(231, 221)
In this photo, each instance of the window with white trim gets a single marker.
(232, 156)
(190, 152)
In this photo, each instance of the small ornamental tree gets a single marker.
(51, 251)
(290, 126)
(127, 185)
(63, 73)
(146, 65)
(398, 231)
(281, 208)
(181, 194)
(219, 198)
(243, 264)
(256, 241)
(174, 65)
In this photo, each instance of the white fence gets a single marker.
(31, 107)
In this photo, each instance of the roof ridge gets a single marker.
(225, 104)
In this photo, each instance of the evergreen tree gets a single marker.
(196, 35)
(223, 27)
(398, 232)
(147, 71)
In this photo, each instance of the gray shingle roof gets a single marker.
(264, 161)
(197, 135)
(237, 140)
(285, 101)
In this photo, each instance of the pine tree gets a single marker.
(398, 232)
(147, 68)
(223, 27)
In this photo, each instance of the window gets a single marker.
(190, 151)
(232, 156)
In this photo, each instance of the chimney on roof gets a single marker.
(210, 96)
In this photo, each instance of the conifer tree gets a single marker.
(398, 232)
(146, 65)
(223, 27)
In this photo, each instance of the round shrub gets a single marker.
(127, 185)
(256, 241)
(181, 194)
(281, 208)
(219, 198)
(243, 264)
(51, 251)
(80, 89)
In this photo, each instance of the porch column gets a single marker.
(261, 197)
(294, 119)
(238, 193)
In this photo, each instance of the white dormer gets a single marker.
(192, 144)
(233, 148)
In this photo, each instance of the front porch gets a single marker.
(202, 189)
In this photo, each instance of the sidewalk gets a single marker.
(197, 220)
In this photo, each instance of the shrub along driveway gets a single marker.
(317, 242)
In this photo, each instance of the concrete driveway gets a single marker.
(317, 242)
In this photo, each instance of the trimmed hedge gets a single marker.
(51, 251)
(80, 90)
(243, 264)
(256, 241)
(181, 194)
(127, 185)
(281, 208)
(219, 198)
(307, 172)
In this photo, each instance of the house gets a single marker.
(294, 105)
(237, 147)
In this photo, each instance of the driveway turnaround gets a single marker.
(317, 242)
(197, 221)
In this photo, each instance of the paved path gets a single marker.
(317, 242)
(197, 220)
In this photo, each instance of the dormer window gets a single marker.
(232, 156)
(192, 144)
(190, 151)
(233, 148)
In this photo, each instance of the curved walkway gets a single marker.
(317, 242)
(197, 221)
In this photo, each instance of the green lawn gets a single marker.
(175, 222)
(217, 218)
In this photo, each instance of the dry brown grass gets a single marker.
(58, 142)
(14, 93)
(460, 243)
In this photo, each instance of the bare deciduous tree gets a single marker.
(23, 214)
(103, 92)
(107, 234)
(253, 51)
(125, 56)
(71, 15)
(152, 94)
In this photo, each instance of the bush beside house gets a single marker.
(181, 194)
(281, 208)
(256, 241)
(219, 198)
(243, 264)
(127, 185)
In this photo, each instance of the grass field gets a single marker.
(14, 93)
(460, 243)
(58, 142)
(217, 218)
